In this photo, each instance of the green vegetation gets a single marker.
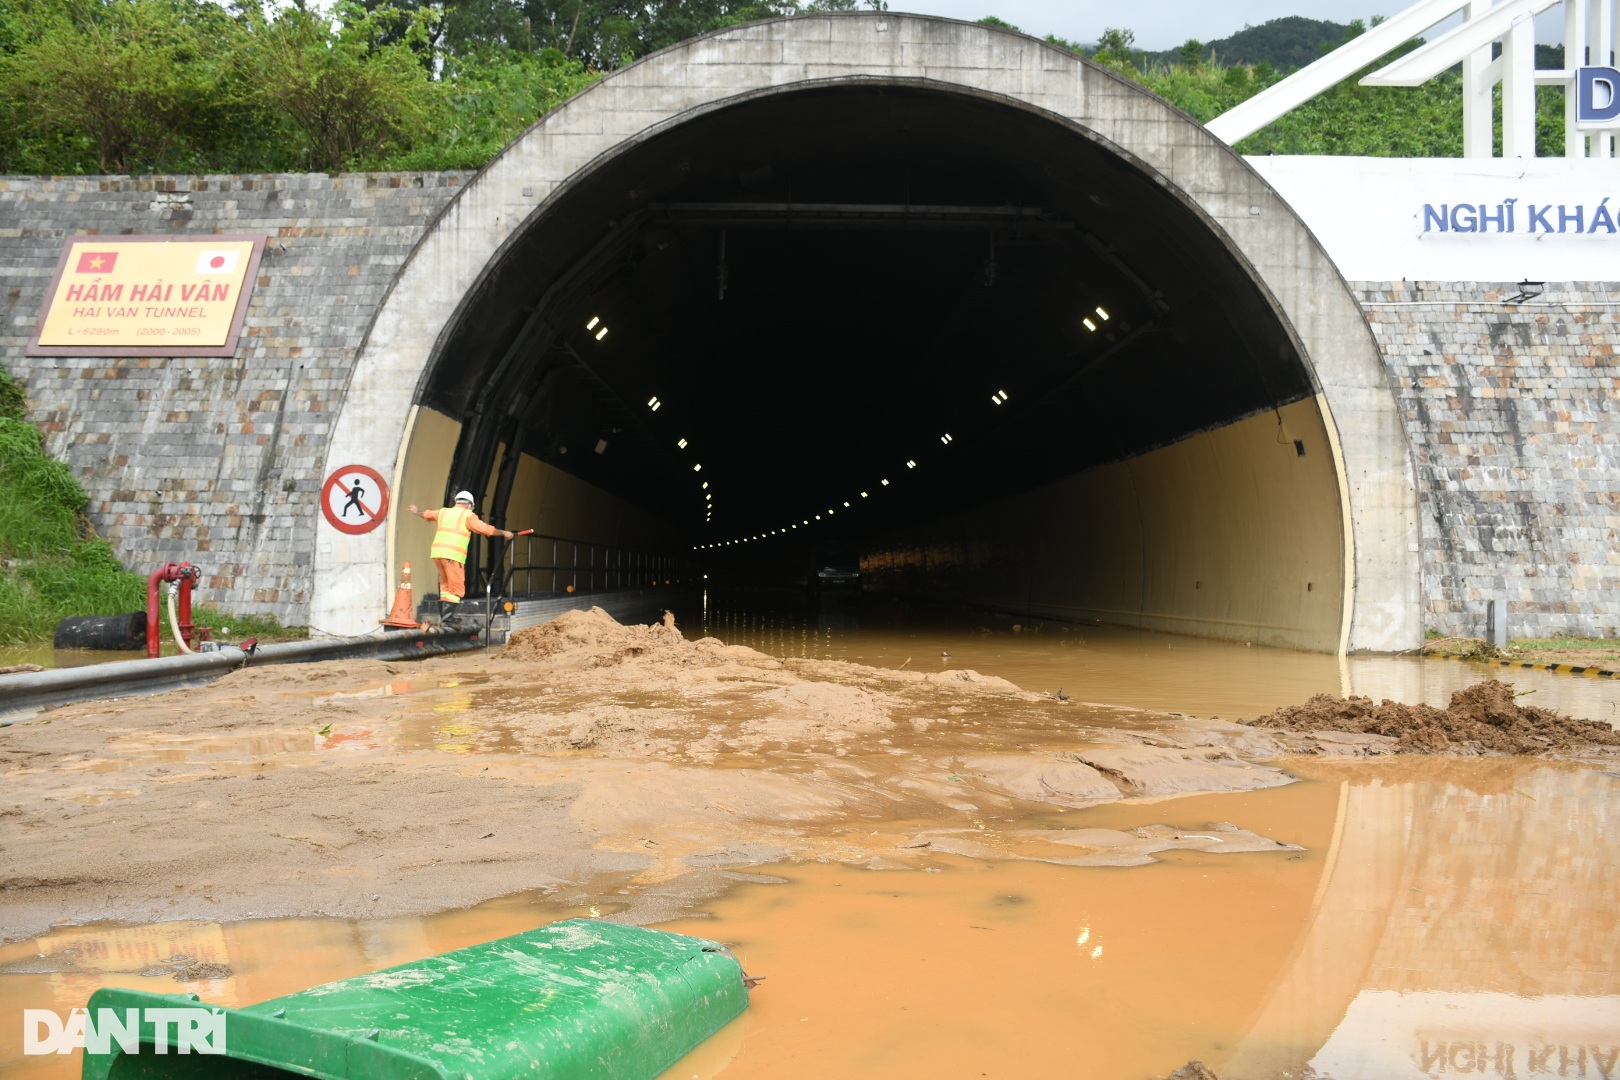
(131, 86)
(1349, 119)
(52, 563)
(1284, 44)
(241, 627)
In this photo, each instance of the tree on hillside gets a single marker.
(352, 85)
(130, 83)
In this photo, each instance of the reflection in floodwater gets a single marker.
(1446, 917)
(1387, 1035)
(1464, 896)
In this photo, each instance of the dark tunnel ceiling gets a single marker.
(889, 259)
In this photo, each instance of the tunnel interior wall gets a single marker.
(1228, 534)
(544, 498)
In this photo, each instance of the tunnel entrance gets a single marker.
(824, 321)
(982, 345)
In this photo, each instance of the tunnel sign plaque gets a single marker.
(147, 296)
(354, 499)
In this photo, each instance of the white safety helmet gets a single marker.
(464, 496)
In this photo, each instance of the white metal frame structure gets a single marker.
(1591, 35)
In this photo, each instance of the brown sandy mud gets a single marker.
(1486, 718)
(582, 751)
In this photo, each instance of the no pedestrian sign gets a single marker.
(354, 499)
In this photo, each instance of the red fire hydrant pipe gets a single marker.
(153, 639)
(184, 573)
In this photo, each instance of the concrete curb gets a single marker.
(1557, 669)
(24, 694)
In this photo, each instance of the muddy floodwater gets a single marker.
(1108, 664)
(922, 899)
(1445, 917)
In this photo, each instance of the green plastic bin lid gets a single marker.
(573, 1000)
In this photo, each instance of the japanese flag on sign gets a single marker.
(216, 262)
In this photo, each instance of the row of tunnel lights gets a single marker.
(654, 403)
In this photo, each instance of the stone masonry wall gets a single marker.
(1513, 414)
(210, 459)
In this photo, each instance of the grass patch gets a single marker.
(1542, 644)
(264, 627)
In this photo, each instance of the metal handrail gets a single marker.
(546, 565)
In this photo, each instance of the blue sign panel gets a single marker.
(1597, 100)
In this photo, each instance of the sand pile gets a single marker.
(1482, 719)
(597, 639)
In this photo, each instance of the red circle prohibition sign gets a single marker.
(354, 499)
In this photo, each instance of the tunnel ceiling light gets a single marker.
(946, 438)
(863, 495)
(698, 467)
(653, 403)
(846, 502)
(681, 443)
(1101, 314)
(818, 518)
(911, 464)
(885, 483)
(592, 324)
(708, 495)
(601, 446)
(1089, 324)
(602, 333)
(999, 396)
(705, 485)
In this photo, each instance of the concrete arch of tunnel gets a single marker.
(1153, 481)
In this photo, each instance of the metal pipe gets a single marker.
(25, 693)
(174, 620)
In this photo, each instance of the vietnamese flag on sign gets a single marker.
(96, 262)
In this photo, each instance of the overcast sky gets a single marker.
(1162, 24)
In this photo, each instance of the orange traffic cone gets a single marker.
(404, 606)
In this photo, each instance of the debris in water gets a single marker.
(1193, 1070)
(197, 971)
(1480, 719)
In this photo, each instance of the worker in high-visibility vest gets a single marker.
(456, 525)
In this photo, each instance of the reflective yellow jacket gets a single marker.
(456, 526)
